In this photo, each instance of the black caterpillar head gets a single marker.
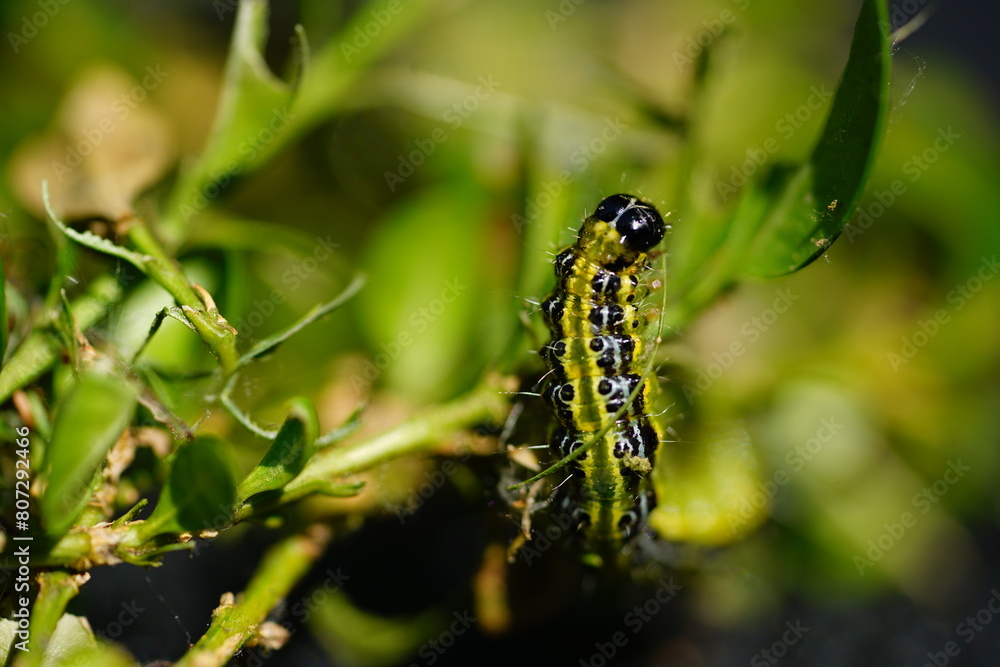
(639, 223)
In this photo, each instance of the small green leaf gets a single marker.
(200, 492)
(821, 197)
(90, 420)
(288, 454)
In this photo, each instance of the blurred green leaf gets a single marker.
(288, 454)
(789, 215)
(705, 487)
(329, 488)
(352, 636)
(422, 328)
(88, 423)
(200, 492)
(8, 635)
(821, 197)
(253, 109)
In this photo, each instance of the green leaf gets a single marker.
(200, 492)
(818, 200)
(789, 215)
(93, 241)
(8, 636)
(254, 109)
(420, 327)
(91, 419)
(288, 454)
(348, 55)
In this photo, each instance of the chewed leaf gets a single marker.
(89, 239)
(288, 454)
(316, 312)
(106, 146)
(200, 491)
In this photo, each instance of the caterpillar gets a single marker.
(594, 386)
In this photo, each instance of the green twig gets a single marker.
(236, 622)
(486, 402)
(56, 589)
(206, 319)
(269, 344)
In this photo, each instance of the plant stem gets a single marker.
(56, 589)
(486, 402)
(211, 326)
(236, 623)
